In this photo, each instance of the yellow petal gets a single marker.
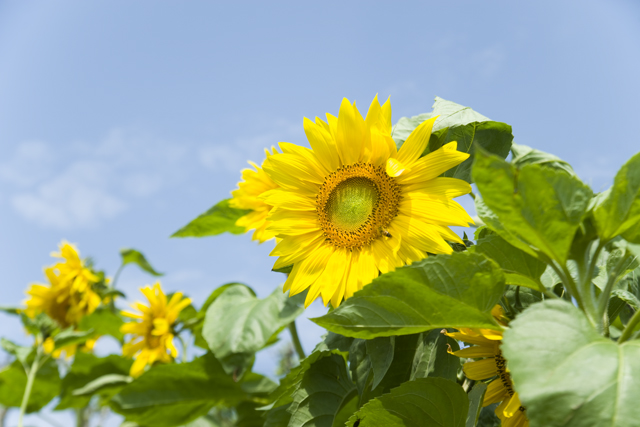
(416, 142)
(480, 369)
(395, 167)
(350, 133)
(434, 164)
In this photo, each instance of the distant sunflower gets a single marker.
(493, 366)
(69, 296)
(254, 183)
(152, 331)
(354, 206)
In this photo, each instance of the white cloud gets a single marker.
(77, 198)
(30, 163)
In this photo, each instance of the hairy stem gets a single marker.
(296, 340)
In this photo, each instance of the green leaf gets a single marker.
(132, 256)
(566, 373)
(332, 341)
(476, 396)
(442, 291)
(85, 369)
(524, 155)
(432, 358)
(619, 213)
(13, 381)
(422, 402)
(278, 416)
(539, 206)
(493, 137)
(238, 324)
(14, 311)
(20, 352)
(510, 258)
(221, 218)
(70, 336)
(109, 381)
(103, 322)
(174, 394)
(380, 351)
(324, 388)
(461, 124)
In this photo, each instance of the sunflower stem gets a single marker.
(116, 276)
(629, 329)
(296, 340)
(31, 376)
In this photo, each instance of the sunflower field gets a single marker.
(525, 314)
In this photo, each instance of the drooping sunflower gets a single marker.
(492, 366)
(254, 183)
(354, 206)
(152, 328)
(69, 296)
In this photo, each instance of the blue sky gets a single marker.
(120, 121)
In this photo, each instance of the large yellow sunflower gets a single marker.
(353, 205)
(492, 366)
(247, 196)
(152, 330)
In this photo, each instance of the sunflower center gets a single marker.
(356, 203)
(351, 202)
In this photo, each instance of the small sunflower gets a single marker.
(353, 206)
(492, 366)
(69, 296)
(152, 330)
(254, 183)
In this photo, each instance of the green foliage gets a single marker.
(424, 401)
(87, 368)
(569, 375)
(458, 123)
(432, 357)
(13, 381)
(132, 256)
(238, 324)
(619, 211)
(476, 396)
(443, 291)
(103, 322)
(221, 218)
(539, 209)
(524, 155)
(172, 395)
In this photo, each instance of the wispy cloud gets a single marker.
(84, 183)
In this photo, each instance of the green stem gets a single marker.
(628, 330)
(116, 276)
(603, 302)
(184, 349)
(31, 376)
(296, 340)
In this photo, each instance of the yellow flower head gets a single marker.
(353, 205)
(492, 365)
(254, 183)
(152, 330)
(69, 296)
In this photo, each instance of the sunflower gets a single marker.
(152, 330)
(493, 366)
(69, 296)
(353, 206)
(247, 196)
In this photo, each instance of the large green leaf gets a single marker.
(432, 357)
(86, 368)
(476, 397)
(323, 390)
(238, 324)
(221, 218)
(442, 291)
(13, 381)
(540, 206)
(458, 123)
(422, 402)
(619, 212)
(174, 394)
(133, 256)
(510, 258)
(567, 374)
(524, 155)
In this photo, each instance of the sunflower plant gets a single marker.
(468, 281)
